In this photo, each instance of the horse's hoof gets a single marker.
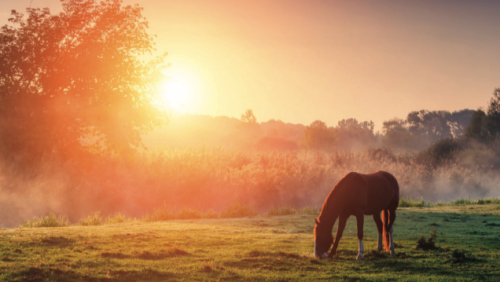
(393, 253)
(360, 256)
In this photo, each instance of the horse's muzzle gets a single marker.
(323, 256)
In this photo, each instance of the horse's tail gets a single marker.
(385, 223)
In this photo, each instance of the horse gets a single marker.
(359, 195)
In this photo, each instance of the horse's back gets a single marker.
(382, 191)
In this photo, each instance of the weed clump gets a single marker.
(238, 210)
(408, 202)
(189, 214)
(160, 214)
(91, 220)
(118, 218)
(283, 210)
(461, 256)
(308, 210)
(427, 244)
(50, 220)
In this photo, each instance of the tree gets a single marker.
(319, 136)
(248, 117)
(397, 135)
(355, 135)
(77, 79)
(485, 127)
(477, 128)
(493, 118)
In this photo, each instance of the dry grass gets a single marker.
(213, 179)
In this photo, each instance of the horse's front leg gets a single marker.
(360, 218)
(340, 230)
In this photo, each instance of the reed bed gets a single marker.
(202, 180)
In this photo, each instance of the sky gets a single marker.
(301, 61)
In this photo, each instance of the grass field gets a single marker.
(274, 248)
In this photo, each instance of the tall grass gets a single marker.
(283, 210)
(91, 220)
(205, 179)
(50, 220)
(238, 210)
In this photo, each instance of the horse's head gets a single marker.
(323, 240)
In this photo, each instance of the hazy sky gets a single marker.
(300, 61)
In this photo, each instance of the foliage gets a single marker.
(282, 210)
(318, 136)
(408, 202)
(422, 128)
(354, 135)
(213, 178)
(118, 218)
(238, 210)
(248, 117)
(485, 127)
(477, 129)
(50, 220)
(428, 244)
(160, 214)
(443, 151)
(77, 81)
(91, 220)
(185, 213)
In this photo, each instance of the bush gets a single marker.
(238, 210)
(91, 220)
(427, 244)
(50, 220)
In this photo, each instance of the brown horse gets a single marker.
(359, 195)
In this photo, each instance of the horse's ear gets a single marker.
(316, 220)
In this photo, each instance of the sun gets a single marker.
(177, 94)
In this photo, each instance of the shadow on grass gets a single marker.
(54, 274)
(147, 255)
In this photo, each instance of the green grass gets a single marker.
(258, 248)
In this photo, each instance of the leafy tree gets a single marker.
(397, 135)
(354, 135)
(76, 79)
(477, 128)
(493, 119)
(486, 127)
(319, 136)
(249, 117)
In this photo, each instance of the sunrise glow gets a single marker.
(177, 94)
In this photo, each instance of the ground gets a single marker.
(259, 248)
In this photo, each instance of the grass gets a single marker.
(50, 220)
(204, 179)
(278, 248)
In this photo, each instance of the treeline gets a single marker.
(417, 131)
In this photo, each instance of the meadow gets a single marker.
(263, 247)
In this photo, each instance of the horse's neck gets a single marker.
(329, 212)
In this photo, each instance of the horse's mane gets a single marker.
(332, 200)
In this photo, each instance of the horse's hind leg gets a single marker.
(392, 217)
(360, 217)
(380, 229)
